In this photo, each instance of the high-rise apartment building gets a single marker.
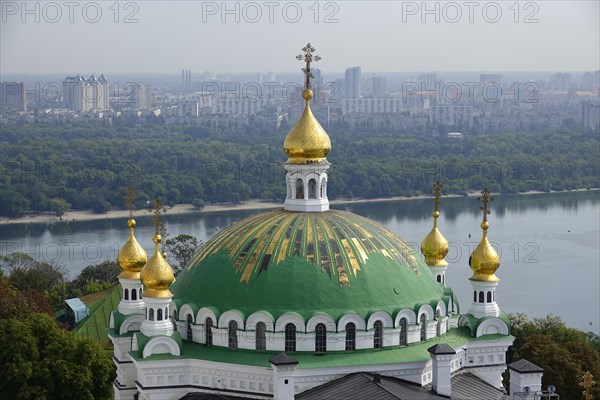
(560, 82)
(352, 79)
(80, 94)
(427, 82)
(13, 96)
(590, 114)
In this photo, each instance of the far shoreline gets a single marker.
(182, 209)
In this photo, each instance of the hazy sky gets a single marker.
(85, 37)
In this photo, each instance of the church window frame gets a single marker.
(350, 336)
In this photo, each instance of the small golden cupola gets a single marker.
(307, 146)
(157, 275)
(307, 142)
(435, 246)
(484, 260)
(132, 256)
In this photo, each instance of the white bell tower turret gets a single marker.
(484, 262)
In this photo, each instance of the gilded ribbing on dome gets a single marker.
(435, 246)
(157, 275)
(484, 260)
(307, 142)
(132, 256)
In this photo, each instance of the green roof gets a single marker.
(281, 261)
(96, 324)
(415, 352)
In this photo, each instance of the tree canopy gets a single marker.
(564, 353)
(41, 361)
(87, 167)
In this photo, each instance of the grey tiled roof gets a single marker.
(361, 386)
(466, 386)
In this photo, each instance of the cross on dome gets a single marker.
(308, 58)
(485, 199)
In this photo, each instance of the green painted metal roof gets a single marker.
(281, 261)
(416, 352)
(96, 324)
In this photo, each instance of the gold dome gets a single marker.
(484, 260)
(132, 256)
(307, 141)
(435, 245)
(157, 275)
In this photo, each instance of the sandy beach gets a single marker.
(188, 208)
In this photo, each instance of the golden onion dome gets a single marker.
(484, 260)
(132, 256)
(435, 245)
(307, 141)
(157, 275)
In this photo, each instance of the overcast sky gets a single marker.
(161, 36)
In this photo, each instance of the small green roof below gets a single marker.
(332, 262)
(96, 324)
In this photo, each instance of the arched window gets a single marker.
(126, 294)
(320, 338)
(159, 314)
(378, 335)
(290, 337)
(133, 294)
(439, 278)
(208, 335)
(189, 328)
(350, 336)
(403, 332)
(475, 296)
(438, 328)
(233, 340)
(423, 321)
(481, 297)
(151, 314)
(166, 312)
(489, 297)
(140, 296)
(299, 189)
(312, 189)
(323, 190)
(261, 339)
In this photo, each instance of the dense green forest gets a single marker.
(53, 167)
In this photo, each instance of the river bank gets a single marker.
(86, 215)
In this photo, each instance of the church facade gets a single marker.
(287, 303)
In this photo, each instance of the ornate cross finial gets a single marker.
(437, 192)
(586, 383)
(485, 198)
(157, 208)
(308, 58)
(130, 196)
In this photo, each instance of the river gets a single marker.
(549, 245)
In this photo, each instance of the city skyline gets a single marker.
(123, 37)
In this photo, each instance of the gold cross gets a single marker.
(308, 58)
(437, 192)
(485, 198)
(587, 383)
(157, 208)
(130, 196)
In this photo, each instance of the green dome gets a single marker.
(282, 261)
